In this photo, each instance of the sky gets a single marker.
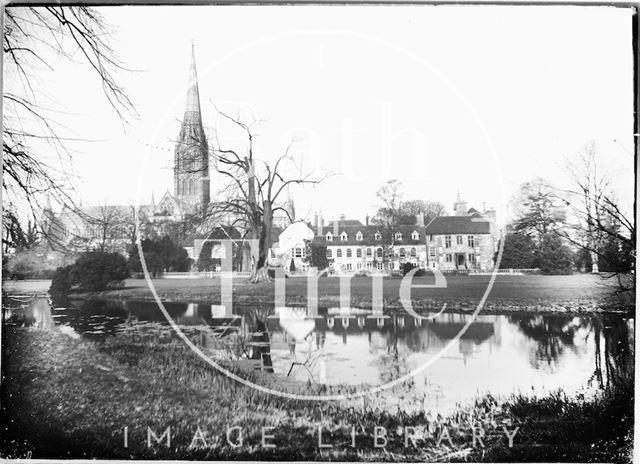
(449, 99)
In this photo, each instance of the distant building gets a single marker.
(468, 240)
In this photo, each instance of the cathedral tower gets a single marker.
(191, 183)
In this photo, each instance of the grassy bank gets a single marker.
(64, 397)
(579, 293)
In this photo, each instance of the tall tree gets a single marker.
(388, 216)
(538, 209)
(36, 158)
(254, 190)
(603, 228)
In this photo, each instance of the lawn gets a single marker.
(574, 293)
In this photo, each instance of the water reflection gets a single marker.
(496, 354)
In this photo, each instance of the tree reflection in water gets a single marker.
(612, 335)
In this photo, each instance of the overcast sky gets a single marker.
(475, 99)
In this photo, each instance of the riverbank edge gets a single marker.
(615, 304)
(46, 420)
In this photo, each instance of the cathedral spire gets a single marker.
(192, 105)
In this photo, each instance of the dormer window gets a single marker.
(415, 235)
(329, 237)
(359, 236)
(344, 237)
(398, 236)
(377, 236)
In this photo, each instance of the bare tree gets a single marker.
(36, 156)
(252, 192)
(430, 209)
(593, 203)
(110, 227)
(388, 215)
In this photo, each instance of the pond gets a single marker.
(497, 354)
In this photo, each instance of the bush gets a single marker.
(93, 271)
(61, 281)
(408, 267)
(160, 255)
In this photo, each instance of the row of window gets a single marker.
(413, 252)
(377, 236)
(470, 257)
(471, 241)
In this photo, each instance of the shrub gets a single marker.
(408, 267)
(61, 281)
(93, 271)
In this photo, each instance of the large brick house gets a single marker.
(468, 240)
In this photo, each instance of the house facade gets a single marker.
(354, 247)
(466, 241)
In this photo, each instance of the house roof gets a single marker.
(458, 225)
(352, 227)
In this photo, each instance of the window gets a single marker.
(472, 258)
(471, 241)
(414, 252)
(379, 265)
(348, 252)
(358, 252)
(447, 241)
(298, 252)
(369, 252)
(369, 265)
(458, 239)
(329, 237)
(359, 236)
(377, 236)
(348, 267)
(379, 253)
(398, 236)
(415, 235)
(447, 258)
(402, 254)
(329, 253)
(431, 237)
(338, 253)
(359, 265)
(432, 252)
(344, 237)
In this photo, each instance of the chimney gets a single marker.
(315, 220)
(336, 225)
(420, 219)
(366, 220)
(342, 217)
(320, 224)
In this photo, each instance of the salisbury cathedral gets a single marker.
(114, 227)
